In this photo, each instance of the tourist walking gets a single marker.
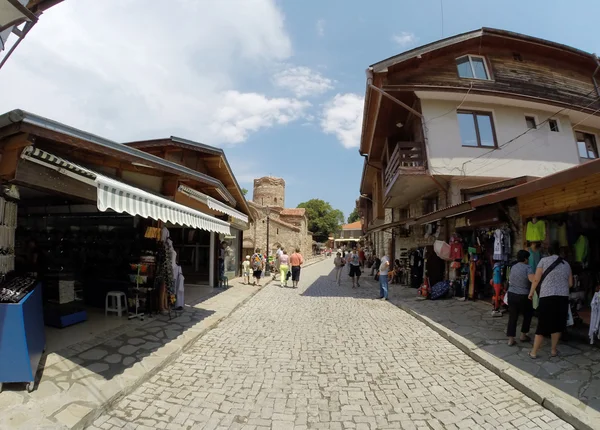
(296, 261)
(354, 263)
(339, 263)
(384, 269)
(284, 267)
(258, 264)
(246, 270)
(519, 285)
(553, 279)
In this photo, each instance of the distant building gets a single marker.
(288, 228)
(350, 234)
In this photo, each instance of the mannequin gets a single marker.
(535, 255)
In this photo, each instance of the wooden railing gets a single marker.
(406, 156)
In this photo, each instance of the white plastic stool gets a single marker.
(113, 302)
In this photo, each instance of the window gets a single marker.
(472, 67)
(586, 144)
(553, 125)
(476, 129)
(530, 121)
(430, 204)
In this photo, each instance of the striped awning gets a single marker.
(212, 203)
(121, 197)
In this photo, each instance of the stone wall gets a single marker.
(269, 191)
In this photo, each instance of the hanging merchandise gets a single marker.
(442, 249)
(595, 319)
(456, 248)
(562, 235)
(535, 256)
(439, 290)
(536, 230)
(498, 245)
(496, 283)
(582, 250)
(471, 279)
(8, 226)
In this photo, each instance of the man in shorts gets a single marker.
(354, 263)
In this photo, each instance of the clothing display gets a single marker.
(498, 245)
(536, 231)
(582, 250)
(562, 235)
(595, 319)
(8, 226)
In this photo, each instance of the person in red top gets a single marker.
(296, 261)
(361, 258)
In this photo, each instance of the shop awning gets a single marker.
(14, 12)
(121, 197)
(212, 203)
(447, 212)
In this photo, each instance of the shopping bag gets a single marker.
(536, 300)
(570, 321)
(376, 276)
(506, 298)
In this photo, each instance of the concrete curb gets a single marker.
(566, 407)
(89, 419)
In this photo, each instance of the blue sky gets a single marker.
(278, 84)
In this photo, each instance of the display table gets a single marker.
(22, 339)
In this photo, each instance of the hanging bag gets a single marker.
(536, 294)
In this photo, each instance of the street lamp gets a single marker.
(267, 271)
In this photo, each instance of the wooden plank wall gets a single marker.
(576, 195)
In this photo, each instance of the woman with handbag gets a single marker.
(553, 279)
(519, 285)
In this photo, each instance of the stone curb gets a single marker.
(88, 419)
(566, 407)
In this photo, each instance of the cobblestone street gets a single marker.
(324, 357)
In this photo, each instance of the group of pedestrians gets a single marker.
(288, 266)
(355, 260)
(547, 290)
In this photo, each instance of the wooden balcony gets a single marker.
(407, 158)
(405, 174)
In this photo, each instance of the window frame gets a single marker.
(535, 121)
(470, 57)
(557, 122)
(596, 153)
(474, 113)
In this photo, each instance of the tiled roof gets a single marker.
(294, 212)
(353, 226)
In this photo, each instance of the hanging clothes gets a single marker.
(498, 245)
(595, 318)
(534, 258)
(179, 287)
(456, 250)
(536, 231)
(582, 250)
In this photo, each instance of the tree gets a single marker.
(244, 192)
(322, 218)
(354, 216)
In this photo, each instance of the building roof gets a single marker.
(381, 66)
(293, 212)
(285, 224)
(357, 225)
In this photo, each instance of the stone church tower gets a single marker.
(269, 192)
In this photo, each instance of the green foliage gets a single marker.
(354, 216)
(244, 192)
(322, 218)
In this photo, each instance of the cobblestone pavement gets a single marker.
(324, 357)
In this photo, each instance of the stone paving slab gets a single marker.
(324, 357)
(78, 383)
(568, 385)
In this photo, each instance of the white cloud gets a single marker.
(342, 117)
(172, 70)
(321, 28)
(405, 39)
(302, 81)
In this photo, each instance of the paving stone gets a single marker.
(328, 357)
(113, 358)
(93, 354)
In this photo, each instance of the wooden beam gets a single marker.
(395, 100)
(11, 152)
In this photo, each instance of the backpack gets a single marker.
(256, 262)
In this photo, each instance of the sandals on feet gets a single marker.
(527, 339)
(533, 357)
(512, 343)
(556, 354)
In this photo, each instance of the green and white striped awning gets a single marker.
(121, 197)
(212, 203)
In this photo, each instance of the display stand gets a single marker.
(22, 339)
(136, 294)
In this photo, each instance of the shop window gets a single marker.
(476, 129)
(531, 123)
(472, 67)
(586, 145)
(553, 124)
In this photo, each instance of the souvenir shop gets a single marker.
(478, 254)
(92, 249)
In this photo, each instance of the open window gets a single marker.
(531, 122)
(586, 145)
(472, 67)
